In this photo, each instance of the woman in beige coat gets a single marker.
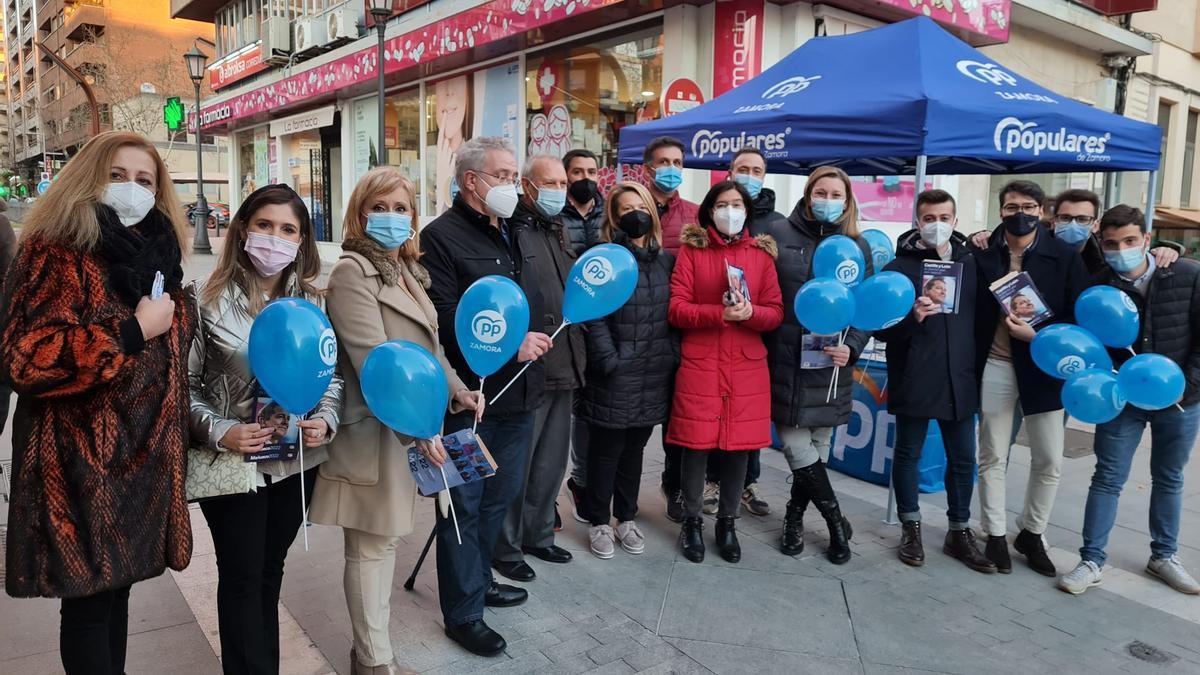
(376, 293)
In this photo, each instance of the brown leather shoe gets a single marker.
(960, 544)
(911, 551)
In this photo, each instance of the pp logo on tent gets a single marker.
(598, 271)
(489, 327)
(988, 73)
(792, 85)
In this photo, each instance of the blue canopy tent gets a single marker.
(907, 98)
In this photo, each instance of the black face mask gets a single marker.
(635, 224)
(582, 190)
(1020, 224)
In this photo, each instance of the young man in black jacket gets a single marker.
(1009, 377)
(529, 525)
(1168, 301)
(931, 376)
(471, 240)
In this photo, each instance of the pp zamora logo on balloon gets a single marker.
(328, 347)
(846, 271)
(1128, 303)
(598, 271)
(489, 328)
(1069, 365)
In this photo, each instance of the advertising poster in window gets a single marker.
(498, 92)
(261, 157)
(451, 102)
(366, 128)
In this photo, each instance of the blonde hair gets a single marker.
(849, 220)
(377, 182)
(235, 267)
(67, 212)
(610, 210)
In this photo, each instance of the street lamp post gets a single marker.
(196, 61)
(381, 11)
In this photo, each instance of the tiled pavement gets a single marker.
(658, 613)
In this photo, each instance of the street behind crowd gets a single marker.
(658, 613)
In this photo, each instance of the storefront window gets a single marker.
(304, 173)
(256, 159)
(581, 96)
(403, 130)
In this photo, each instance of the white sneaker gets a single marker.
(712, 497)
(601, 537)
(631, 537)
(1085, 575)
(1172, 572)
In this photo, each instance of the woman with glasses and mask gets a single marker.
(377, 293)
(94, 342)
(632, 355)
(269, 254)
(724, 296)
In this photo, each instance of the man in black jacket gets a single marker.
(1168, 301)
(529, 525)
(1008, 375)
(931, 376)
(471, 240)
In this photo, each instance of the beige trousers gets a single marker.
(370, 562)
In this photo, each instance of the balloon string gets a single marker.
(833, 380)
(476, 424)
(516, 377)
(453, 515)
(303, 501)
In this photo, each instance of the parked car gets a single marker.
(218, 214)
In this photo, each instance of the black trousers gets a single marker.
(251, 535)
(733, 474)
(614, 472)
(672, 475)
(93, 633)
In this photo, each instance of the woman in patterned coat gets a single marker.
(100, 371)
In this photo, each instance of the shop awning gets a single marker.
(872, 102)
(1176, 219)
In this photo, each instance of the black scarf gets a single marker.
(135, 254)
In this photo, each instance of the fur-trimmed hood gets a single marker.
(696, 236)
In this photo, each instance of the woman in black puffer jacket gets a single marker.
(632, 357)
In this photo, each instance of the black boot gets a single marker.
(792, 541)
(816, 480)
(691, 539)
(727, 542)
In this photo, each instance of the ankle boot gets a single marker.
(691, 539)
(911, 552)
(727, 542)
(792, 541)
(823, 497)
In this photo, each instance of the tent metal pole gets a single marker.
(1150, 192)
(919, 184)
(1110, 190)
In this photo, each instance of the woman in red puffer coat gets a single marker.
(724, 295)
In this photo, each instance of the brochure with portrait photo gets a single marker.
(737, 282)
(284, 442)
(1019, 297)
(941, 282)
(812, 354)
(469, 461)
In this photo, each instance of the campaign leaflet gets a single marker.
(941, 282)
(284, 441)
(1019, 298)
(737, 282)
(812, 354)
(469, 461)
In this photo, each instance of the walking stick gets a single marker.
(412, 578)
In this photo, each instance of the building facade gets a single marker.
(295, 81)
(6, 139)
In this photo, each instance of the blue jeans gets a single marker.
(465, 572)
(1172, 434)
(959, 439)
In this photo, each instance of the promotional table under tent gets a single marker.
(904, 99)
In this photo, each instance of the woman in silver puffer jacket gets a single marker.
(268, 254)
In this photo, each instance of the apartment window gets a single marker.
(1189, 159)
(1164, 123)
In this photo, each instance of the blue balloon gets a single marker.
(1064, 349)
(599, 283)
(1151, 381)
(839, 257)
(293, 352)
(824, 306)
(882, 301)
(1110, 314)
(1093, 396)
(405, 387)
(882, 249)
(491, 322)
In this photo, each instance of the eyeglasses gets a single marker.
(1065, 219)
(1010, 209)
(511, 179)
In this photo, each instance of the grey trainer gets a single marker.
(1085, 575)
(1173, 573)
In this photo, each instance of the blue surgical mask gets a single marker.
(753, 185)
(390, 230)
(828, 210)
(1126, 260)
(551, 202)
(1072, 233)
(668, 178)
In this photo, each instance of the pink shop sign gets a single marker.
(475, 27)
(983, 17)
(885, 199)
